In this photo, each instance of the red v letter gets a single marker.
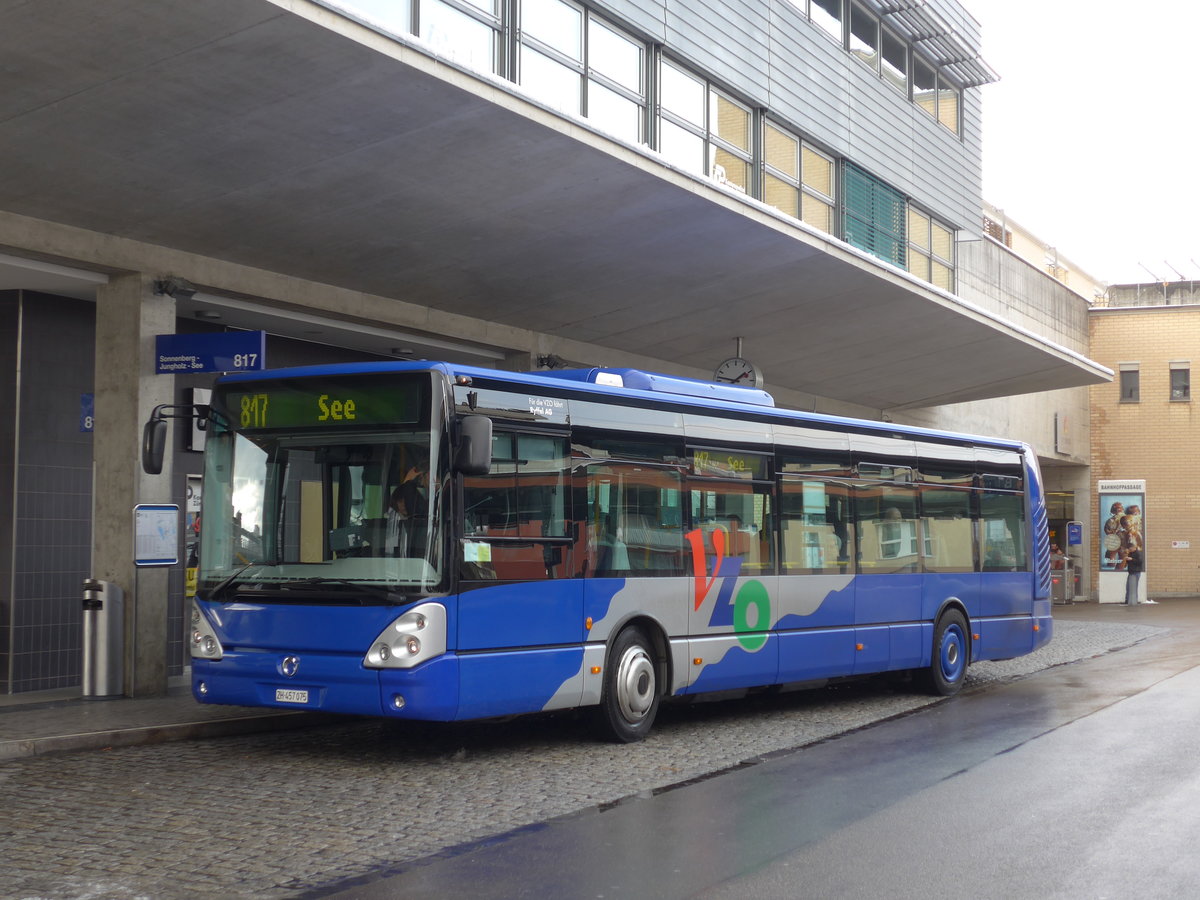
(696, 539)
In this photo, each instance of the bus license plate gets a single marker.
(283, 695)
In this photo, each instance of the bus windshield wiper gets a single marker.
(229, 581)
(357, 586)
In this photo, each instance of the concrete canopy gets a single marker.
(281, 136)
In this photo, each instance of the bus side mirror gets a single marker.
(154, 444)
(154, 432)
(473, 455)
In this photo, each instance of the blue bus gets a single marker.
(438, 542)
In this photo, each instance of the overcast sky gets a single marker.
(1091, 138)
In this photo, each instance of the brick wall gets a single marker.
(1156, 438)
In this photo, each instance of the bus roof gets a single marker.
(669, 390)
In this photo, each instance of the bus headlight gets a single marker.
(204, 643)
(413, 638)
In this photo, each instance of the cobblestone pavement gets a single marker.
(293, 814)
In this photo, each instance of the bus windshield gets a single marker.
(307, 504)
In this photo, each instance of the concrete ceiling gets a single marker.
(236, 130)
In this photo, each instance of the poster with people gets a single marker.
(1122, 523)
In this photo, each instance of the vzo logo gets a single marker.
(752, 598)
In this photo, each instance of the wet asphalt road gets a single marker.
(1077, 781)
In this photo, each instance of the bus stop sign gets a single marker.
(223, 351)
(1074, 534)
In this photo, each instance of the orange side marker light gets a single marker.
(595, 670)
(587, 623)
(698, 661)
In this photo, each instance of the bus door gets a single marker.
(519, 609)
(817, 583)
(948, 551)
(1007, 583)
(734, 586)
(888, 593)
(633, 547)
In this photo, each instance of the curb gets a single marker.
(159, 734)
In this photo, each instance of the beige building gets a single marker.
(998, 225)
(1144, 426)
(1138, 427)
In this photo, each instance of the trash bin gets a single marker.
(103, 640)
(1062, 583)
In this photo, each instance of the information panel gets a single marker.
(155, 534)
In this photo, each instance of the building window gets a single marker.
(934, 94)
(925, 86)
(682, 115)
(392, 16)
(894, 64)
(551, 53)
(616, 88)
(947, 105)
(466, 32)
(864, 36)
(874, 216)
(930, 249)
(1130, 382)
(995, 229)
(798, 179)
(828, 15)
(703, 130)
(1181, 381)
(579, 64)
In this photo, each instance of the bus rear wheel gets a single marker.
(948, 668)
(630, 695)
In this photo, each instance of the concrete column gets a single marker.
(128, 317)
(518, 361)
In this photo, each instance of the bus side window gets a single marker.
(634, 521)
(742, 511)
(817, 530)
(886, 517)
(520, 510)
(946, 529)
(1002, 522)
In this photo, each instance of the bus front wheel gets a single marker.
(630, 695)
(948, 668)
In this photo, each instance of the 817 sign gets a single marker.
(87, 413)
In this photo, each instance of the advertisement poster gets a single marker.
(191, 537)
(1122, 530)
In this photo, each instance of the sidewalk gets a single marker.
(43, 722)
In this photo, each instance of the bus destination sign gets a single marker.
(323, 404)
